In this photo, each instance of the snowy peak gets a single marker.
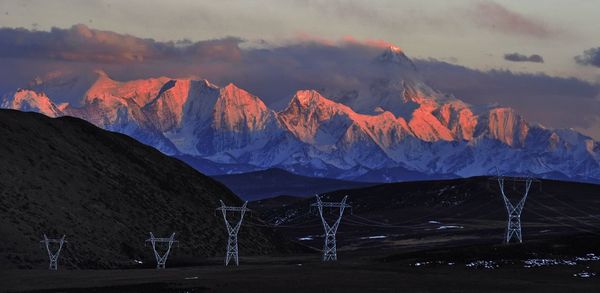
(505, 125)
(313, 118)
(241, 125)
(311, 100)
(237, 110)
(102, 90)
(308, 97)
(427, 127)
(28, 100)
(318, 121)
(385, 129)
(110, 92)
(459, 119)
(395, 55)
(166, 110)
(201, 100)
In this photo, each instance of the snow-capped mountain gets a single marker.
(398, 126)
(27, 100)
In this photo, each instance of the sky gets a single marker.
(551, 44)
(472, 33)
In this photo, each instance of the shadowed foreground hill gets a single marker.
(105, 191)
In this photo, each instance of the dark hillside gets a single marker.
(105, 191)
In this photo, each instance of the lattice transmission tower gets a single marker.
(513, 227)
(53, 256)
(161, 259)
(232, 230)
(329, 248)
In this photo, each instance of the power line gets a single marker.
(561, 223)
(564, 215)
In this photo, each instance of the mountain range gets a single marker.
(388, 129)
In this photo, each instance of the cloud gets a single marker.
(589, 57)
(82, 44)
(275, 72)
(271, 71)
(516, 57)
(388, 16)
(553, 101)
(497, 18)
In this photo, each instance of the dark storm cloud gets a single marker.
(516, 57)
(589, 57)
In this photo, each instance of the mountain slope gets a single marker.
(552, 207)
(105, 191)
(273, 182)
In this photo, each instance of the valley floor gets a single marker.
(489, 268)
(417, 246)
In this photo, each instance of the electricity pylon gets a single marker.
(232, 231)
(513, 227)
(53, 256)
(329, 248)
(161, 260)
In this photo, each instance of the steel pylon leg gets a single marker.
(232, 250)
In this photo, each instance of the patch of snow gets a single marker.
(423, 263)
(449, 227)
(374, 237)
(588, 257)
(546, 262)
(584, 274)
(484, 264)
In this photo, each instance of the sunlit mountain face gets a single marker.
(391, 125)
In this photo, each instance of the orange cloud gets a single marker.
(347, 40)
(371, 43)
